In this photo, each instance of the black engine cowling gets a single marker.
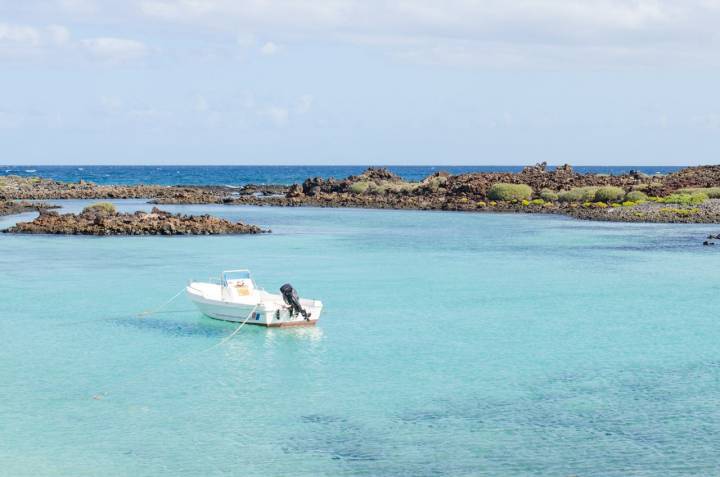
(291, 299)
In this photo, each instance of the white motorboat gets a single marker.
(235, 297)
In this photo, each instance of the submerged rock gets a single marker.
(97, 220)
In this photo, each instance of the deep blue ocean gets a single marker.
(240, 175)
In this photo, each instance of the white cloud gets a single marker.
(79, 6)
(10, 120)
(246, 40)
(115, 50)
(25, 40)
(20, 35)
(58, 35)
(526, 33)
(201, 104)
(304, 104)
(487, 33)
(709, 121)
(269, 48)
(278, 115)
(111, 104)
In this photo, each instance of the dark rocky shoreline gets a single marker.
(102, 219)
(379, 188)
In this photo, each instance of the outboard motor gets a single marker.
(293, 301)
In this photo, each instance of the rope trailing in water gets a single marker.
(230, 336)
(145, 313)
(151, 312)
(185, 356)
(125, 317)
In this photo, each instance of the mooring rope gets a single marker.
(143, 314)
(230, 336)
(184, 356)
(124, 317)
(152, 312)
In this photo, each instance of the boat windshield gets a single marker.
(235, 275)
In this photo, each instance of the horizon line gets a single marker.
(351, 165)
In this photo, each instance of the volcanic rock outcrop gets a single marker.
(97, 220)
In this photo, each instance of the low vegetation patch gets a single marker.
(510, 192)
(609, 194)
(359, 187)
(101, 207)
(711, 192)
(696, 198)
(635, 196)
(434, 183)
(548, 195)
(679, 212)
(578, 194)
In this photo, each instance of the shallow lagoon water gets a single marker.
(451, 344)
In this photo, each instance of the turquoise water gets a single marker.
(451, 344)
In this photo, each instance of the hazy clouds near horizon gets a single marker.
(350, 81)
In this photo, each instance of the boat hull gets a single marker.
(269, 311)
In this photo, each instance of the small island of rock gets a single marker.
(103, 219)
(11, 207)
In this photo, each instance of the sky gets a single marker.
(457, 82)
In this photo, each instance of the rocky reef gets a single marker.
(11, 207)
(102, 219)
(706, 213)
(536, 188)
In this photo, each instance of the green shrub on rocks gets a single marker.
(680, 212)
(636, 196)
(696, 198)
(377, 189)
(609, 194)
(101, 207)
(537, 202)
(402, 187)
(711, 192)
(434, 183)
(578, 194)
(359, 187)
(629, 203)
(509, 192)
(548, 195)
